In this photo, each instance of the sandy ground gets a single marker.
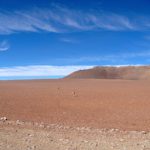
(121, 104)
(97, 104)
(28, 136)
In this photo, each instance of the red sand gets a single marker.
(122, 104)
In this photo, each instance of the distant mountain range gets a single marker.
(102, 72)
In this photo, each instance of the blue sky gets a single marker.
(42, 37)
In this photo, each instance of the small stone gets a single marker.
(3, 119)
(143, 146)
(96, 145)
(30, 135)
(143, 132)
(42, 125)
(121, 140)
(17, 122)
(85, 141)
(33, 147)
(112, 130)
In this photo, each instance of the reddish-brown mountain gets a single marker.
(125, 72)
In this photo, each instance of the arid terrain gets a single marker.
(75, 114)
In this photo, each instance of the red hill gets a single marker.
(125, 72)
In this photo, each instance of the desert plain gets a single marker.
(72, 114)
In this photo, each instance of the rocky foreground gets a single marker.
(19, 135)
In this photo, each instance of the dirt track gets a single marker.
(121, 104)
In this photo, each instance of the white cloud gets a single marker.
(41, 70)
(4, 46)
(60, 19)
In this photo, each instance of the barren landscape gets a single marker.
(74, 75)
(106, 111)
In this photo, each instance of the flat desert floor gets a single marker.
(75, 114)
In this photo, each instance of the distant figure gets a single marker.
(74, 94)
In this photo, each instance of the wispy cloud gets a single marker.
(39, 70)
(4, 46)
(61, 19)
(112, 58)
(147, 37)
(68, 40)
